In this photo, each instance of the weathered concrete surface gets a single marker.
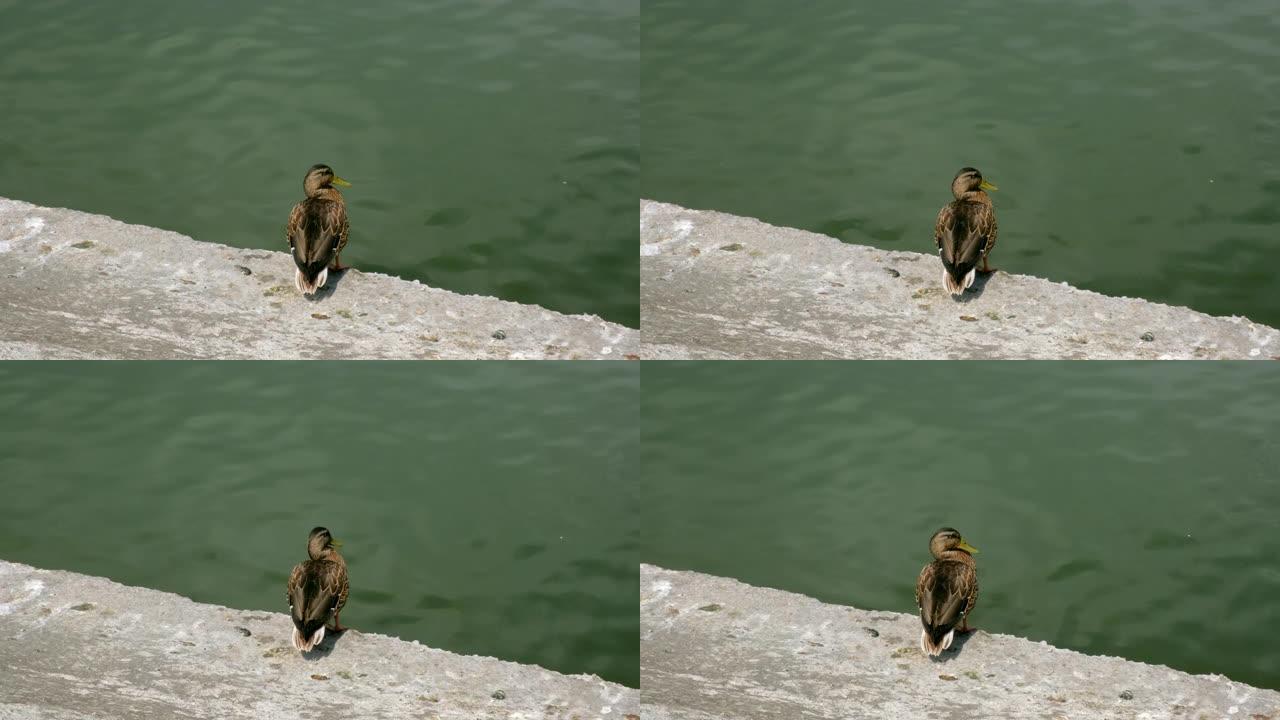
(714, 648)
(75, 285)
(716, 286)
(74, 647)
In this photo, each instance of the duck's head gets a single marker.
(948, 540)
(969, 180)
(321, 177)
(321, 543)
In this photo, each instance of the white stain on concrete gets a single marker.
(659, 590)
(680, 230)
(31, 590)
(31, 227)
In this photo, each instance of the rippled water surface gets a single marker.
(485, 508)
(1136, 144)
(1120, 509)
(491, 144)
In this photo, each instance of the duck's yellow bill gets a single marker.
(987, 186)
(335, 542)
(967, 548)
(339, 181)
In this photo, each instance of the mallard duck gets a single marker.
(966, 230)
(946, 591)
(317, 589)
(317, 229)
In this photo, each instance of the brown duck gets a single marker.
(966, 230)
(946, 591)
(317, 229)
(317, 590)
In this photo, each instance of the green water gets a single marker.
(1125, 509)
(491, 144)
(1136, 144)
(485, 508)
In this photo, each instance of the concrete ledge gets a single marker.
(716, 286)
(74, 647)
(714, 648)
(75, 285)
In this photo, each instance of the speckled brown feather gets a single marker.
(946, 592)
(317, 588)
(979, 219)
(317, 230)
(965, 231)
(330, 579)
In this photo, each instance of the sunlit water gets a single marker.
(491, 144)
(1120, 509)
(485, 508)
(1136, 144)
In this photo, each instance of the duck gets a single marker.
(317, 229)
(317, 590)
(966, 230)
(946, 591)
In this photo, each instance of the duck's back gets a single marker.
(964, 230)
(317, 588)
(317, 230)
(946, 592)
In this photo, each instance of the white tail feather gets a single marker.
(957, 288)
(951, 285)
(307, 288)
(316, 637)
(307, 645)
(928, 648)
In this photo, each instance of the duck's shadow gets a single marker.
(326, 646)
(331, 286)
(980, 280)
(957, 644)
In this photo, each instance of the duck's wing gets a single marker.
(963, 232)
(295, 578)
(315, 594)
(343, 585)
(945, 593)
(316, 231)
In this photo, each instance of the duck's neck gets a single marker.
(327, 553)
(326, 193)
(959, 556)
(978, 196)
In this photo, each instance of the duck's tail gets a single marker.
(957, 285)
(307, 644)
(309, 286)
(934, 647)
